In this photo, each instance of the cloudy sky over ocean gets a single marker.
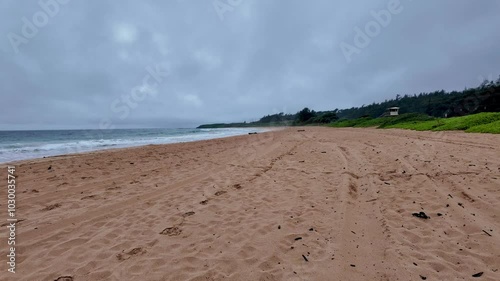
(180, 63)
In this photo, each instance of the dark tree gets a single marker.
(305, 114)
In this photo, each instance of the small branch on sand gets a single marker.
(487, 233)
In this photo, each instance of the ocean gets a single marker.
(21, 145)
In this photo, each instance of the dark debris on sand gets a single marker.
(421, 215)
(64, 278)
(479, 274)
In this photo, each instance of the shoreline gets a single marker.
(15, 162)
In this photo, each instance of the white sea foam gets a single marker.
(59, 144)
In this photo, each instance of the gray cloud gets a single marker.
(263, 57)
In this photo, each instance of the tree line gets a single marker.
(484, 98)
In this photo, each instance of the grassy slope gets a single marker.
(469, 121)
(493, 128)
(487, 122)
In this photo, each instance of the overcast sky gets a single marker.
(179, 63)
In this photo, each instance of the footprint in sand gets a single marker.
(52, 207)
(125, 256)
(353, 190)
(220, 192)
(171, 231)
(187, 214)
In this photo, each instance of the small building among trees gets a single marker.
(391, 111)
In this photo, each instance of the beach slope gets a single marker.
(295, 204)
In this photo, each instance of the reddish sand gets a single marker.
(318, 204)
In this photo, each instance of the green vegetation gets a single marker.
(408, 118)
(347, 123)
(467, 122)
(364, 122)
(301, 118)
(381, 122)
(371, 122)
(486, 122)
(309, 117)
(472, 110)
(492, 128)
(418, 125)
(274, 120)
(484, 98)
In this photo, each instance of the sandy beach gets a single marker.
(296, 204)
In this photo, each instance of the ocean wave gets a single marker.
(33, 149)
